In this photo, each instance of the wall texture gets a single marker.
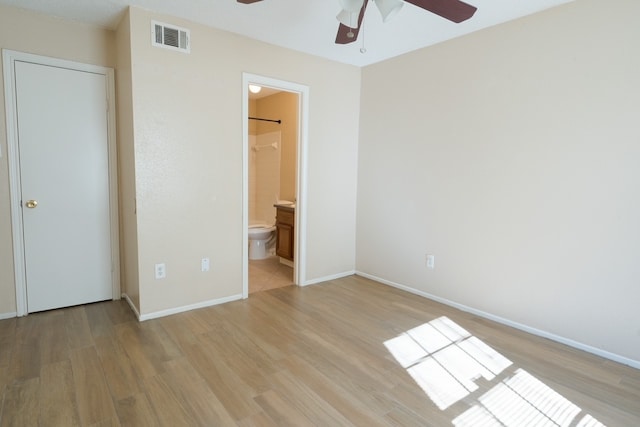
(42, 35)
(512, 155)
(126, 165)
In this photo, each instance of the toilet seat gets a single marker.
(260, 225)
(260, 228)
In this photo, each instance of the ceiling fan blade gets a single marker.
(453, 10)
(248, 1)
(342, 37)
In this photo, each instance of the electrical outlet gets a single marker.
(205, 264)
(431, 262)
(161, 271)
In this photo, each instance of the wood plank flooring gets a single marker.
(313, 356)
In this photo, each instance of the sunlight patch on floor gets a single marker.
(446, 361)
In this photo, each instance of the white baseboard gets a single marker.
(176, 310)
(8, 315)
(534, 331)
(326, 278)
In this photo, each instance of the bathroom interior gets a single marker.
(273, 147)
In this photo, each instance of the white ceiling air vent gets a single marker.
(170, 37)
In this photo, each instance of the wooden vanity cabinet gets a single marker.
(285, 220)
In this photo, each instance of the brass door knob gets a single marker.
(31, 204)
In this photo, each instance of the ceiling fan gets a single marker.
(353, 12)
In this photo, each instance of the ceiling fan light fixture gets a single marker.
(389, 8)
(352, 6)
(347, 18)
(255, 88)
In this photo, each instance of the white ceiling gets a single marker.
(303, 25)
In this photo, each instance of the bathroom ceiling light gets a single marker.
(255, 88)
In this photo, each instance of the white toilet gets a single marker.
(260, 237)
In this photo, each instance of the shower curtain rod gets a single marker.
(266, 120)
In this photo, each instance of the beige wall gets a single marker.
(180, 163)
(253, 125)
(126, 165)
(34, 33)
(512, 155)
(282, 106)
(187, 113)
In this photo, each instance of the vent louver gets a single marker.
(170, 37)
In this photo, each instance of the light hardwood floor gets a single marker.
(299, 357)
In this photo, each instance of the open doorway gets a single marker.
(274, 193)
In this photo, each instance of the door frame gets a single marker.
(300, 236)
(9, 59)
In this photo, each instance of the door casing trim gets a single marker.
(300, 228)
(9, 57)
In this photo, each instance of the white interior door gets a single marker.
(62, 129)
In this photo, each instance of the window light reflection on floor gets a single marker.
(445, 360)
